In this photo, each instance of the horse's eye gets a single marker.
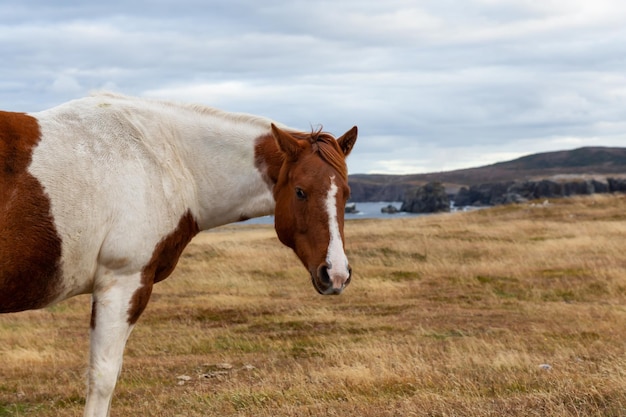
(300, 193)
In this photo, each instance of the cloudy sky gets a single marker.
(433, 85)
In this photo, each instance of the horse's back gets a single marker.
(30, 247)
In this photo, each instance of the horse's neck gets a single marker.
(230, 184)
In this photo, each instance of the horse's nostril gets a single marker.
(322, 274)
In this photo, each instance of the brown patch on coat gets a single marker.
(268, 159)
(30, 247)
(163, 261)
(92, 322)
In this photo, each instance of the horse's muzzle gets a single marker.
(330, 281)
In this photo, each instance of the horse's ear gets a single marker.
(347, 140)
(286, 143)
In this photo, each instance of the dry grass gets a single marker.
(448, 315)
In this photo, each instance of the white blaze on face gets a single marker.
(335, 257)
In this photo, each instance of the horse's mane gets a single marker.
(198, 108)
(325, 145)
(322, 143)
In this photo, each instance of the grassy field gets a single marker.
(510, 311)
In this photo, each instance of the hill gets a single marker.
(582, 161)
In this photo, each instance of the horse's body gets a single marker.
(101, 195)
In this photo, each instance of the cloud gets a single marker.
(65, 83)
(432, 85)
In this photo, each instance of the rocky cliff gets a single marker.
(600, 163)
(519, 191)
(429, 198)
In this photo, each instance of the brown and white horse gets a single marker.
(101, 195)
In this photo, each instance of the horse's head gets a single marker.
(311, 191)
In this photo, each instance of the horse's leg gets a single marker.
(113, 305)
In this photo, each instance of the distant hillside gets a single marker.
(582, 161)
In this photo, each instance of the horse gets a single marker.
(100, 196)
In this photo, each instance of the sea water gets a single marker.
(364, 211)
